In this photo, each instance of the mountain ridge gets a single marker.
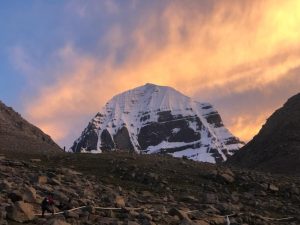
(276, 148)
(17, 134)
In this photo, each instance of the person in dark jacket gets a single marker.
(47, 205)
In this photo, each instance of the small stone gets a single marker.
(119, 201)
(57, 222)
(189, 198)
(133, 214)
(54, 181)
(42, 179)
(272, 187)
(35, 160)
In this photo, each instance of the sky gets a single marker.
(61, 61)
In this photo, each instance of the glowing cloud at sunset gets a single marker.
(242, 56)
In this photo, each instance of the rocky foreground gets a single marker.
(147, 190)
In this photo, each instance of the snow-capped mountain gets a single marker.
(158, 119)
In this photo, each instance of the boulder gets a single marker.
(29, 195)
(5, 185)
(20, 212)
(60, 196)
(3, 222)
(2, 213)
(181, 214)
(201, 222)
(15, 196)
(186, 221)
(132, 223)
(227, 178)
(57, 222)
(217, 220)
(145, 216)
(71, 214)
(210, 198)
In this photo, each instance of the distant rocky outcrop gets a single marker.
(159, 119)
(16, 134)
(276, 148)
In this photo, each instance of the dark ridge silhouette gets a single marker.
(276, 148)
(16, 134)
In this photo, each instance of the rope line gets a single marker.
(273, 219)
(188, 212)
(251, 214)
(98, 207)
(61, 212)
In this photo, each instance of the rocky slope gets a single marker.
(133, 189)
(276, 148)
(16, 134)
(159, 119)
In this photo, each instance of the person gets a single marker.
(47, 205)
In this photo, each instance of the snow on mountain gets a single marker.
(158, 119)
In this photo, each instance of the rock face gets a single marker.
(276, 148)
(16, 134)
(159, 119)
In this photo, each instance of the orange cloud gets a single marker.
(236, 47)
(246, 126)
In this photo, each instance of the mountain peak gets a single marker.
(158, 119)
(151, 85)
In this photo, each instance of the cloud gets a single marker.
(212, 50)
(245, 112)
(21, 60)
(85, 9)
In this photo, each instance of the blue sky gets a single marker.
(60, 61)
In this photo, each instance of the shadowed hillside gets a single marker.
(276, 148)
(16, 134)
